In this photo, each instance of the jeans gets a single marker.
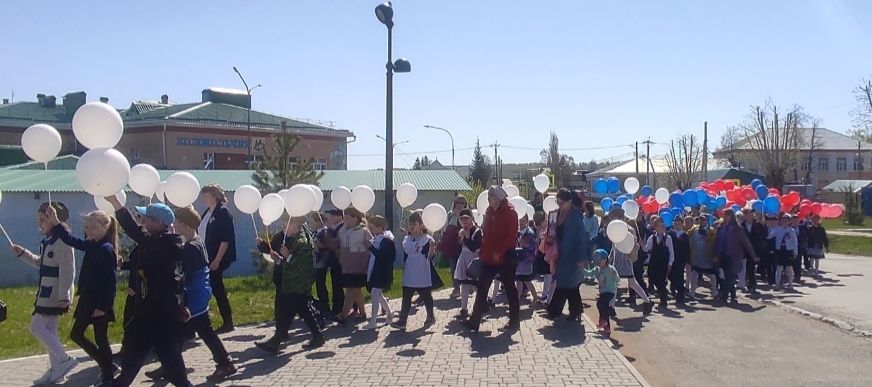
(561, 296)
(216, 280)
(336, 281)
(203, 326)
(164, 337)
(602, 305)
(426, 296)
(507, 276)
(99, 350)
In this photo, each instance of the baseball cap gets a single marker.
(159, 211)
(600, 254)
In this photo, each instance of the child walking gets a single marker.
(607, 279)
(419, 249)
(57, 270)
(96, 286)
(469, 238)
(818, 243)
(786, 250)
(524, 271)
(198, 291)
(662, 253)
(381, 272)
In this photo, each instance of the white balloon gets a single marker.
(362, 198)
(617, 230)
(434, 216)
(407, 193)
(107, 207)
(102, 171)
(144, 179)
(300, 200)
(182, 189)
(530, 212)
(626, 245)
(631, 209)
(631, 185)
(520, 205)
(662, 195)
(319, 197)
(511, 191)
(161, 192)
(41, 142)
(478, 217)
(550, 204)
(247, 199)
(97, 125)
(271, 208)
(341, 197)
(481, 203)
(541, 182)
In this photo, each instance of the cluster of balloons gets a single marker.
(361, 197)
(607, 186)
(299, 200)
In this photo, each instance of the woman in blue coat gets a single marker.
(573, 250)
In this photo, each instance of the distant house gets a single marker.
(836, 156)
(653, 172)
(25, 188)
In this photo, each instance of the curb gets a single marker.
(839, 324)
(620, 355)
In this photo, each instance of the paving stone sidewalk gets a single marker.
(541, 353)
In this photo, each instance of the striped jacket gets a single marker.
(57, 272)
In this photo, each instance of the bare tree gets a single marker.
(774, 139)
(730, 143)
(814, 142)
(863, 111)
(561, 165)
(684, 160)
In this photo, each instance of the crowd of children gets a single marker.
(169, 287)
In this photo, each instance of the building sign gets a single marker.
(212, 143)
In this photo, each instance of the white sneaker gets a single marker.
(44, 379)
(60, 372)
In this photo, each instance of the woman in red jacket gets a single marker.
(500, 234)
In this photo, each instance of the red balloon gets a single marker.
(804, 210)
(748, 193)
(718, 185)
(774, 191)
(740, 200)
(826, 210)
(728, 185)
(786, 208)
(837, 210)
(792, 198)
(805, 201)
(816, 208)
(732, 196)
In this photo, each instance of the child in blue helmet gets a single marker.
(607, 278)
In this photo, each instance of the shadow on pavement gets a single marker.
(564, 333)
(483, 345)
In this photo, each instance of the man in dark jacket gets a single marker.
(731, 245)
(756, 233)
(159, 309)
(329, 250)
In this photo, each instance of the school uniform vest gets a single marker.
(659, 251)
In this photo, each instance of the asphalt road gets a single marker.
(756, 343)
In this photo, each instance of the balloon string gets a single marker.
(49, 191)
(254, 224)
(8, 239)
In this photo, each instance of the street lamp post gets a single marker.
(385, 14)
(248, 91)
(453, 165)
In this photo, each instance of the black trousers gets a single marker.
(426, 295)
(797, 264)
(506, 272)
(203, 326)
(321, 288)
(602, 305)
(559, 299)
(767, 262)
(140, 336)
(751, 273)
(216, 280)
(657, 273)
(729, 283)
(295, 304)
(676, 280)
(99, 350)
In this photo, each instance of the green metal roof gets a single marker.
(24, 114)
(65, 180)
(67, 162)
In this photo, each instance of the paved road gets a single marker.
(540, 354)
(757, 343)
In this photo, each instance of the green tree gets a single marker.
(421, 163)
(274, 171)
(561, 165)
(480, 170)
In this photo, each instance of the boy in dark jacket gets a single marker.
(159, 313)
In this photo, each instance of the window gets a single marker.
(841, 163)
(824, 164)
(208, 161)
(320, 164)
(858, 163)
(293, 161)
(803, 164)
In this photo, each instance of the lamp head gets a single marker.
(385, 14)
(402, 66)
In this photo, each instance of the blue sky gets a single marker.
(600, 74)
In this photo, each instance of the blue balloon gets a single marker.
(711, 205)
(762, 191)
(711, 220)
(755, 183)
(757, 205)
(720, 202)
(646, 191)
(676, 200)
(606, 204)
(702, 197)
(668, 218)
(676, 212)
(772, 204)
(663, 211)
(614, 185)
(736, 208)
(620, 200)
(600, 187)
(690, 198)
(616, 206)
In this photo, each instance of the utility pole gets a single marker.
(498, 173)
(637, 158)
(648, 161)
(859, 166)
(705, 151)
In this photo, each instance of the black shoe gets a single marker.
(649, 306)
(511, 326)
(156, 374)
(316, 342)
(226, 328)
(429, 321)
(613, 312)
(575, 319)
(473, 327)
(221, 373)
(271, 345)
(463, 315)
(399, 325)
